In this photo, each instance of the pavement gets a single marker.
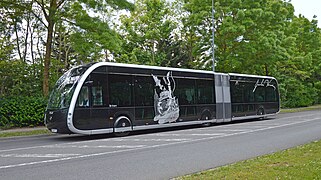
(157, 154)
(23, 129)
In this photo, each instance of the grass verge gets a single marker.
(24, 133)
(302, 162)
(315, 107)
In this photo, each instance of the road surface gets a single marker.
(162, 154)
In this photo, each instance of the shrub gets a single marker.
(22, 111)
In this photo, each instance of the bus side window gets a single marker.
(260, 94)
(120, 90)
(237, 92)
(271, 94)
(97, 93)
(205, 92)
(186, 91)
(248, 93)
(83, 98)
(144, 91)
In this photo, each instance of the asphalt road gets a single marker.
(153, 154)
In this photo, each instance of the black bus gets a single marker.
(109, 97)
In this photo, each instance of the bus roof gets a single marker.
(251, 76)
(154, 67)
(175, 69)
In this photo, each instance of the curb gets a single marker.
(25, 129)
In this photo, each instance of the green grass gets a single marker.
(24, 133)
(315, 107)
(303, 162)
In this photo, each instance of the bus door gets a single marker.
(91, 112)
(82, 110)
(223, 99)
(99, 114)
(144, 100)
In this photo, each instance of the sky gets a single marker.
(308, 8)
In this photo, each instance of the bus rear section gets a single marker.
(253, 96)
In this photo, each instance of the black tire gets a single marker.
(260, 112)
(122, 122)
(206, 116)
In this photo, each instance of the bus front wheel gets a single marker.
(122, 126)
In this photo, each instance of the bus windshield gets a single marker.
(64, 88)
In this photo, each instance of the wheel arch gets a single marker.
(205, 114)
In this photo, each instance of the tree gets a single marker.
(299, 73)
(50, 10)
(59, 10)
(149, 36)
(247, 33)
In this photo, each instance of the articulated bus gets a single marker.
(107, 97)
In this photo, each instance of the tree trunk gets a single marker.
(26, 39)
(47, 59)
(50, 17)
(17, 39)
(266, 70)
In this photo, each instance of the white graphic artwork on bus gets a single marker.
(165, 103)
(264, 83)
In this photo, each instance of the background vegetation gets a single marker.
(41, 39)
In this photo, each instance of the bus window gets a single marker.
(186, 91)
(97, 93)
(98, 89)
(237, 92)
(144, 91)
(120, 90)
(205, 92)
(83, 98)
(260, 94)
(270, 94)
(248, 93)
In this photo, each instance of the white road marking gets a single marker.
(151, 147)
(271, 124)
(95, 147)
(18, 149)
(231, 130)
(193, 134)
(150, 140)
(255, 126)
(37, 155)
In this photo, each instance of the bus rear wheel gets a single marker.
(260, 112)
(206, 115)
(122, 126)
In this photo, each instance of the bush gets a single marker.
(295, 93)
(22, 111)
(317, 86)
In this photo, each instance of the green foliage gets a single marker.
(149, 38)
(295, 93)
(317, 87)
(89, 35)
(19, 78)
(5, 49)
(261, 37)
(22, 111)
